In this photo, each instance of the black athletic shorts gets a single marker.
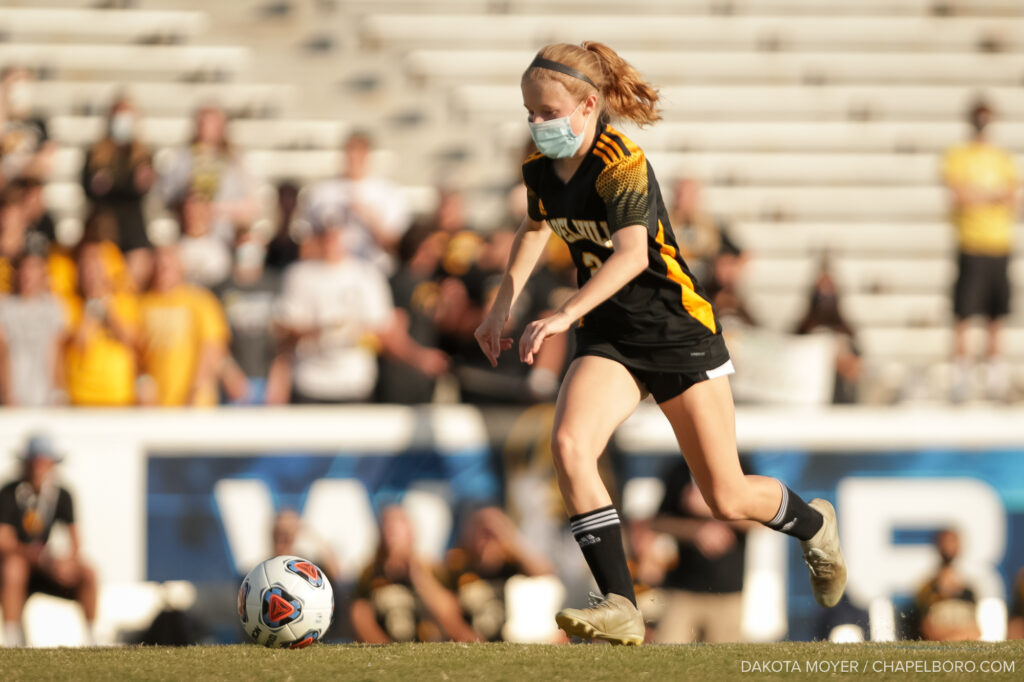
(40, 581)
(982, 286)
(661, 384)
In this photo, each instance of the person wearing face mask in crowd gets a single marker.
(982, 180)
(642, 326)
(25, 147)
(116, 176)
(824, 315)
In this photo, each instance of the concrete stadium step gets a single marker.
(767, 103)
(109, 25)
(813, 168)
(898, 33)
(59, 59)
(674, 67)
(855, 275)
(782, 311)
(163, 99)
(860, 238)
(813, 135)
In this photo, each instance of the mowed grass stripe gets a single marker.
(516, 662)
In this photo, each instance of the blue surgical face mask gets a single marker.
(555, 138)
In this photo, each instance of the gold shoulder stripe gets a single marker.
(611, 142)
(533, 157)
(603, 155)
(608, 148)
(694, 304)
(626, 143)
(617, 141)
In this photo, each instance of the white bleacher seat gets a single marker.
(818, 136)
(770, 7)
(867, 275)
(783, 168)
(907, 33)
(667, 67)
(765, 102)
(825, 202)
(83, 131)
(852, 238)
(125, 58)
(860, 310)
(163, 99)
(20, 23)
(925, 344)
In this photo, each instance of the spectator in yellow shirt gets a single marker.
(99, 359)
(183, 340)
(982, 180)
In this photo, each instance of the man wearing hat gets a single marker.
(29, 508)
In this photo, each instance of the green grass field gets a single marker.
(501, 662)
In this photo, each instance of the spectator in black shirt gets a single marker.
(118, 173)
(704, 588)
(29, 508)
(250, 375)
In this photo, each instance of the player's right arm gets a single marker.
(527, 248)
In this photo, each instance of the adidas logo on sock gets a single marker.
(587, 540)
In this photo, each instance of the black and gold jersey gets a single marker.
(661, 320)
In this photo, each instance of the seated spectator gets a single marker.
(945, 604)
(249, 374)
(205, 256)
(373, 208)
(335, 314)
(99, 358)
(490, 552)
(700, 235)
(210, 169)
(704, 589)
(824, 315)
(183, 338)
(25, 147)
(1015, 628)
(290, 537)
(29, 509)
(283, 249)
(33, 327)
(399, 598)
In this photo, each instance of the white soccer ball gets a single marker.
(286, 601)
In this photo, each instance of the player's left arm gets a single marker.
(627, 261)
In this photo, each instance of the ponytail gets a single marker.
(626, 94)
(623, 91)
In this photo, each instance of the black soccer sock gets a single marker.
(599, 536)
(796, 517)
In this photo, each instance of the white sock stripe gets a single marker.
(582, 531)
(594, 525)
(610, 514)
(782, 507)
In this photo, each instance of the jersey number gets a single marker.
(591, 262)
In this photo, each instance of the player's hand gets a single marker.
(492, 343)
(536, 332)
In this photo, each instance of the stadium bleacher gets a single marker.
(814, 126)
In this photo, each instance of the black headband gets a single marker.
(542, 63)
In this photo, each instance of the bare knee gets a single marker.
(726, 505)
(570, 454)
(14, 570)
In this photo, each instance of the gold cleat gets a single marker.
(824, 558)
(612, 618)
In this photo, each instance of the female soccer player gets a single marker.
(642, 326)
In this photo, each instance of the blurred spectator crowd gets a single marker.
(179, 290)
